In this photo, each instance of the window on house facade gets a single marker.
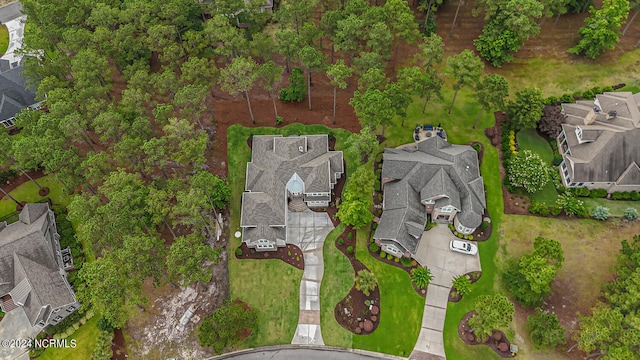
(579, 132)
(71, 308)
(8, 123)
(460, 227)
(57, 318)
(447, 209)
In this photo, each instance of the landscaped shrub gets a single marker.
(582, 191)
(460, 236)
(451, 227)
(571, 205)
(466, 237)
(297, 90)
(349, 249)
(374, 247)
(566, 98)
(545, 329)
(555, 210)
(340, 241)
(598, 193)
(239, 252)
(6, 175)
(406, 262)
(600, 213)
(350, 236)
(226, 326)
(476, 147)
(631, 213)
(588, 94)
(421, 277)
(288, 253)
(462, 283)
(104, 324)
(483, 226)
(396, 259)
(470, 237)
(621, 195)
(538, 208)
(635, 196)
(557, 159)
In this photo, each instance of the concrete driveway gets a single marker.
(15, 325)
(433, 252)
(307, 230)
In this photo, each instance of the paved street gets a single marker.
(305, 353)
(434, 253)
(307, 230)
(10, 12)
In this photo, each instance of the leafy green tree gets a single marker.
(431, 50)
(367, 61)
(190, 100)
(497, 45)
(296, 12)
(296, 89)
(329, 24)
(372, 107)
(421, 277)
(289, 45)
(338, 74)
(360, 185)
(379, 39)
(545, 329)
(401, 22)
(240, 76)
(366, 282)
(424, 84)
(527, 170)
(363, 145)
(312, 59)
(635, 6)
(462, 283)
(602, 28)
(348, 33)
(225, 327)
(599, 330)
(270, 77)
(356, 213)
(465, 69)
(490, 93)
(190, 260)
(492, 312)
(356, 198)
(400, 98)
(600, 213)
(263, 46)
(526, 110)
(372, 78)
(553, 7)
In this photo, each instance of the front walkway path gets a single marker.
(433, 252)
(307, 230)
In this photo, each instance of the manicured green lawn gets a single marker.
(336, 283)
(4, 39)
(271, 287)
(29, 192)
(85, 336)
(616, 207)
(400, 307)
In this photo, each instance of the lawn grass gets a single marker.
(4, 39)
(29, 192)
(400, 307)
(271, 287)
(85, 337)
(336, 282)
(616, 207)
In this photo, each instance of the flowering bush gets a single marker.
(571, 205)
(527, 170)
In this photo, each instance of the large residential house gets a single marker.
(33, 275)
(294, 173)
(14, 95)
(600, 143)
(432, 177)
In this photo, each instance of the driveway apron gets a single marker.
(433, 252)
(15, 325)
(307, 230)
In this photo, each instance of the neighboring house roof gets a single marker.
(608, 149)
(29, 271)
(14, 93)
(275, 160)
(433, 170)
(10, 12)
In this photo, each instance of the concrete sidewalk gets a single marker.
(307, 230)
(434, 253)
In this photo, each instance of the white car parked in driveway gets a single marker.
(463, 247)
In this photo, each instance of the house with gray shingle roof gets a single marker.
(32, 270)
(431, 177)
(295, 173)
(15, 95)
(600, 143)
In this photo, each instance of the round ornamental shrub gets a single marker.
(631, 214)
(238, 252)
(340, 241)
(374, 247)
(484, 225)
(470, 237)
(600, 213)
(396, 259)
(460, 236)
(350, 249)
(406, 262)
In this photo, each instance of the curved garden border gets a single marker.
(498, 341)
(453, 293)
(290, 254)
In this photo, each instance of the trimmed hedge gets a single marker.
(374, 247)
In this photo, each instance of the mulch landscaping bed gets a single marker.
(453, 293)
(498, 341)
(118, 346)
(359, 318)
(290, 254)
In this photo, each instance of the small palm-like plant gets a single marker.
(421, 276)
(462, 284)
(366, 282)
